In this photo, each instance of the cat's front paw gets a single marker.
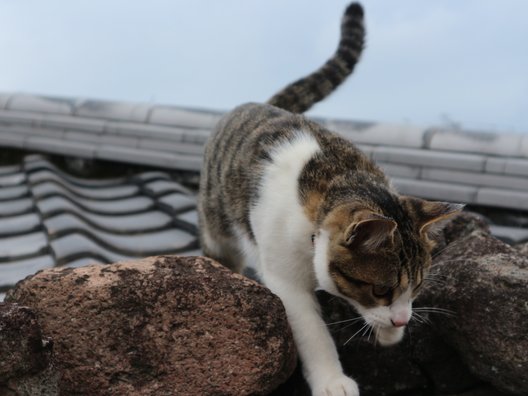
(337, 386)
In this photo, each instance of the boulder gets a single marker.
(161, 326)
(25, 355)
(483, 283)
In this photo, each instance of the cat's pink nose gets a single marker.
(399, 322)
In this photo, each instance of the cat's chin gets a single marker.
(387, 336)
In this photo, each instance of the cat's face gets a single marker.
(377, 264)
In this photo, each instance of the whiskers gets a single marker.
(436, 310)
(348, 321)
(420, 319)
(420, 314)
(363, 328)
(366, 330)
(435, 279)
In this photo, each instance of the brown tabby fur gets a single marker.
(339, 188)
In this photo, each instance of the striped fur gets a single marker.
(302, 94)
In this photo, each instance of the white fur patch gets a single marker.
(281, 228)
(322, 275)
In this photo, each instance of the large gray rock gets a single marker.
(161, 326)
(484, 282)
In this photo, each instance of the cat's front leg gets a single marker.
(315, 345)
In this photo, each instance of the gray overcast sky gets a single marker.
(426, 62)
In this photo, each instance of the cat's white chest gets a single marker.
(280, 226)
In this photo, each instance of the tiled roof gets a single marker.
(476, 168)
(48, 217)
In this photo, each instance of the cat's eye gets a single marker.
(381, 291)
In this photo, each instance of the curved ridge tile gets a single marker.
(47, 188)
(8, 169)
(190, 217)
(36, 166)
(40, 175)
(15, 207)
(40, 104)
(78, 245)
(142, 244)
(12, 192)
(12, 179)
(81, 262)
(117, 207)
(177, 203)
(133, 223)
(66, 221)
(12, 272)
(151, 175)
(23, 245)
(162, 187)
(20, 223)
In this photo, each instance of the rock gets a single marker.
(25, 355)
(484, 283)
(161, 326)
(461, 226)
(481, 391)
(522, 249)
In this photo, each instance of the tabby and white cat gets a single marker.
(309, 210)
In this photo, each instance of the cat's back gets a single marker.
(243, 139)
(252, 130)
(242, 148)
(250, 123)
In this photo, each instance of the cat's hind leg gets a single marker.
(223, 249)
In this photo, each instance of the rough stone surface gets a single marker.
(25, 355)
(522, 248)
(485, 284)
(461, 226)
(161, 326)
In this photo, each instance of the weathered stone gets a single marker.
(484, 283)
(161, 326)
(25, 355)
(481, 391)
(522, 249)
(462, 225)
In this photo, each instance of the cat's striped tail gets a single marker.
(305, 92)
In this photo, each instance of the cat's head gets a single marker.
(377, 261)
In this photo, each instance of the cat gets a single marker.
(309, 210)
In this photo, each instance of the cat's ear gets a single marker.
(431, 215)
(371, 232)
